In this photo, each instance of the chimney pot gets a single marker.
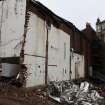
(88, 25)
(98, 21)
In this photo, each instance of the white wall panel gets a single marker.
(12, 30)
(58, 66)
(35, 46)
(35, 71)
(77, 66)
(58, 55)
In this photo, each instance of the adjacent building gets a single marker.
(100, 50)
(100, 29)
(77, 56)
(90, 36)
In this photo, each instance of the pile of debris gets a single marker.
(65, 92)
(69, 93)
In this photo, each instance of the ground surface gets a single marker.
(12, 95)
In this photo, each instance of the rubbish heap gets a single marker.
(72, 94)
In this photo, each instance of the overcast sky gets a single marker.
(78, 11)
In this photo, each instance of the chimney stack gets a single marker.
(98, 21)
(88, 25)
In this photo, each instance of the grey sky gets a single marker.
(78, 11)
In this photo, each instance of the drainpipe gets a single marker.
(71, 51)
(71, 57)
(70, 62)
(48, 27)
(70, 65)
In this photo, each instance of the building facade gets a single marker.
(94, 52)
(90, 36)
(77, 56)
(38, 43)
(100, 29)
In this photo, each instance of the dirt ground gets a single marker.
(19, 97)
(12, 95)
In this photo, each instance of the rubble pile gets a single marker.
(65, 92)
(70, 93)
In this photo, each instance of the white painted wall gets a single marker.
(12, 20)
(58, 55)
(77, 66)
(35, 45)
(10, 70)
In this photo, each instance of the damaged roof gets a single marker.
(54, 16)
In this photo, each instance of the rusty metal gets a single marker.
(46, 60)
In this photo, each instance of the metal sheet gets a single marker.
(72, 94)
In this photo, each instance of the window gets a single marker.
(103, 26)
(98, 28)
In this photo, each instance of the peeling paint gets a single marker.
(34, 50)
(12, 27)
(44, 54)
